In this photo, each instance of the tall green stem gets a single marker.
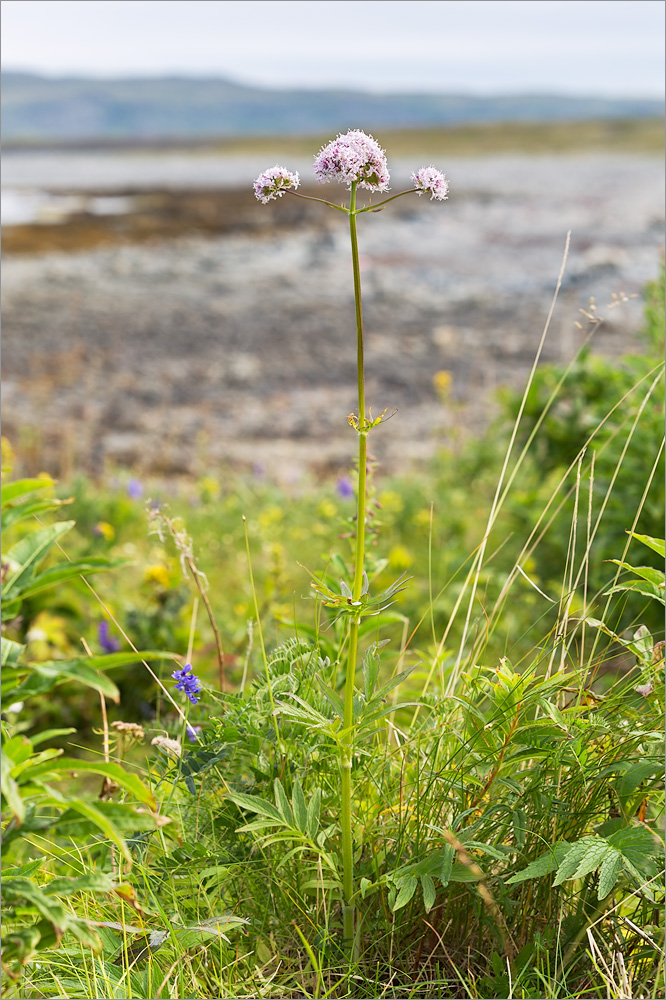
(348, 909)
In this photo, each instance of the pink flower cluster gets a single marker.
(429, 180)
(273, 183)
(353, 158)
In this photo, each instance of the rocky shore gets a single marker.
(199, 345)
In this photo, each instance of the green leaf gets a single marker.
(103, 823)
(124, 816)
(10, 652)
(44, 676)
(609, 872)
(86, 935)
(255, 804)
(371, 667)
(13, 514)
(55, 575)
(23, 890)
(299, 807)
(492, 852)
(429, 892)
(583, 857)
(10, 788)
(64, 766)
(405, 893)
(639, 587)
(314, 806)
(657, 545)
(388, 687)
(333, 698)
(448, 856)
(12, 871)
(544, 864)
(282, 802)
(93, 882)
(22, 487)
(50, 734)
(27, 553)
(636, 843)
(634, 774)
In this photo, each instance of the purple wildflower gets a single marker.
(273, 183)
(344, 488)
(188, 683)
(429, 180)
(645, 689)
(134, 489)
(108, 642)
(192, 732)
(353, 158)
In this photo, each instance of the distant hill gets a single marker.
(36, 108)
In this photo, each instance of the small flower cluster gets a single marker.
(169, 746)
(273, 183)
(132, 730)
(429, 180)
(188, 683)
(353, 158)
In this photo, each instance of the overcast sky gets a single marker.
(605, 47)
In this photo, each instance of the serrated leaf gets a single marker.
(429, 892)
(609, 872)
(299, 807)
(405, 893)
(584, 856)
(636, 843)
(544, 864)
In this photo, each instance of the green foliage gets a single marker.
(32, 807)
(508, 790)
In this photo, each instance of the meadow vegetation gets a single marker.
(165, 837)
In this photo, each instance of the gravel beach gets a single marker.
(180, 354)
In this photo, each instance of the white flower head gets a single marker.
(429, 180)
(353, 158)
(273, 183)
(169, 746)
